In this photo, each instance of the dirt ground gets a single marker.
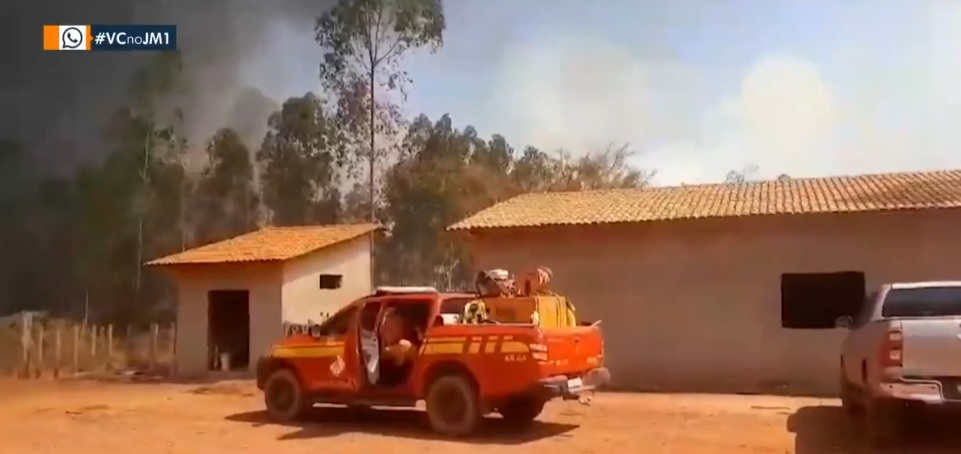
(95, 417)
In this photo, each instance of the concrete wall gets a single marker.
(303, 298)
(262, 280)
(695, 305)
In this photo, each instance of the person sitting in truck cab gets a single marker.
(399, 338)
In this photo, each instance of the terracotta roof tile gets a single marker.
(881, 192)
(268, 244)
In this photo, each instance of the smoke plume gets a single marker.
(55, 103)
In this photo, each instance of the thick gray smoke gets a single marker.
(56, 102)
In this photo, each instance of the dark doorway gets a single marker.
(228, 329)
(816, 300)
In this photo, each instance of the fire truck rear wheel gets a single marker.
(453, 406)
(522, 411)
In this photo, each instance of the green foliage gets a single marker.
(95, 228)
(300, 159)
(225, 201)
(446, 174)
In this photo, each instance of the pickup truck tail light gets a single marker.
(892, 348)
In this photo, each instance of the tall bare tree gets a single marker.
(741, 176)
(365, 42)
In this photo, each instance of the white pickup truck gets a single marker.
(903, 354)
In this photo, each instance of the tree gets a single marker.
(140, 202)
(606, 170)
(535, 171)
(132, 206)
(17, 238)
(425, 192)
(741, 176)
(15, 172)
(226, 202)
(299, 163)
(152, 118)
(364, 43)
(356, 204)
(783, 177)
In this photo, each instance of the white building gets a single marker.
(235, 296)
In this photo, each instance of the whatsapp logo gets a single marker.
(71, 38)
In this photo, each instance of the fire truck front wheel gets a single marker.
(284, 396)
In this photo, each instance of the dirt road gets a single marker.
(98, 418)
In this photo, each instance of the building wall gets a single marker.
(303, 298)
(695, 305)
(262, 280)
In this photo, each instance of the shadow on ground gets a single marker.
(408, 423)
(135, 377)
(827, 429)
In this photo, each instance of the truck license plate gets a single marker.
(574, 383)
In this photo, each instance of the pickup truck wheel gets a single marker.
(522, 411)
(849, 398)
(284, 397)
(883, 423)
(452, 405)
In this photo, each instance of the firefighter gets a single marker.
(398, 338)
(475, 312)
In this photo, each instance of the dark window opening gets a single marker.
(455, 305)
(331, 281)
(414, 313)
(817, 300)
(339, 324)
(228, 329)
(922, 302)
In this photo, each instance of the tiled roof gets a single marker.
(845, 194)
(268, 244)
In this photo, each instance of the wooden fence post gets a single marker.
(154, 334)
(173, 348)
(40, 344)
(127, 344)
(93, 343)
(76, 350)
(26, 340)
(57, 352)
(109, 347)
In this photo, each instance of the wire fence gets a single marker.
(34, 348)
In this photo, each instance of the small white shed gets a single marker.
(234, 296)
